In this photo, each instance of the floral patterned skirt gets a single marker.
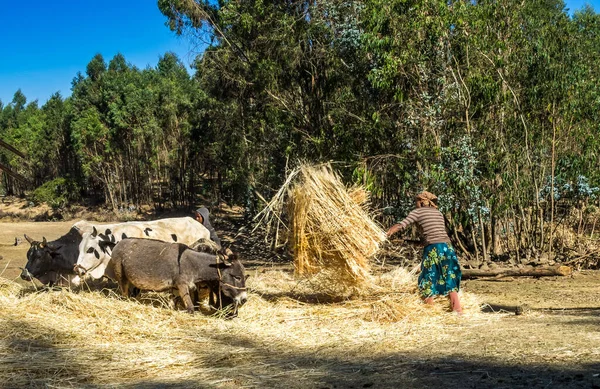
(440, 271)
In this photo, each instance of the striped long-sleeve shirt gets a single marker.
(431, 223)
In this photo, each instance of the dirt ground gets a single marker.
(554, 343)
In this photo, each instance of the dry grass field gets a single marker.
(290, 335)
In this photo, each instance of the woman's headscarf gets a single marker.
(427, 199)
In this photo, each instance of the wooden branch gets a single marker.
(579, 258)
(545, 271)
(14, 175)
(9, 147)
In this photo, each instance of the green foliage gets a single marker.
(57, 193)
(487, 103)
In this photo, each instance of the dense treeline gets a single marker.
(493, 105)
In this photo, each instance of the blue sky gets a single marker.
(574, 5)
(45, 43)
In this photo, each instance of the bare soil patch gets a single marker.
(286, 339)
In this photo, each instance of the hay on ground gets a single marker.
(80, 338)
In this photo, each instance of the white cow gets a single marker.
(95, 246)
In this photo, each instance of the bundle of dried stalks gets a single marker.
(330, 230)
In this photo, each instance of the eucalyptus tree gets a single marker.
(174, 112)
(493, 105)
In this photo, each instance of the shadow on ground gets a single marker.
(35, 356)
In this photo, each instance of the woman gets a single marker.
(202, 217)
(440, 271)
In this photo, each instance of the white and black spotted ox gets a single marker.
(95, 247)
(153, 265)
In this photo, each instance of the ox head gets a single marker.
(41, 261)
(232, 284)
(94, 253)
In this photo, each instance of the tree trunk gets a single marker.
(527, 272)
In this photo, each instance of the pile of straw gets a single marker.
(283, 337)
(330, 229)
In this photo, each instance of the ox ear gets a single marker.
(104, 244)
(28, 239)
(104, 238)
(107, 232)
(54, 250)
(94, 232)
(123, 236)
(53, 247)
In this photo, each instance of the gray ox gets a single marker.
(159, 266)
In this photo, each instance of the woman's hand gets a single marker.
(393, 229)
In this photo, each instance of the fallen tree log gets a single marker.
(541, 271)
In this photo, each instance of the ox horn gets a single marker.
(44, 242)
(28, 239)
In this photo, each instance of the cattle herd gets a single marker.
(173, 254)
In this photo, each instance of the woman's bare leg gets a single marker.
(455, 302)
